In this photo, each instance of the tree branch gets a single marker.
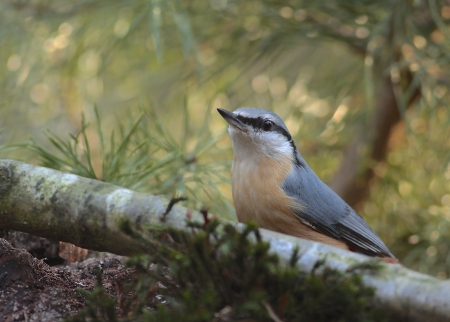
(90, 214)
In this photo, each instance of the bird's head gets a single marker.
(258, 133)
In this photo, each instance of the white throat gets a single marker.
(260, 145)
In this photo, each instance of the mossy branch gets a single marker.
(93, 214)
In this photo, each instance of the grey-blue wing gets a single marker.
(327, 213)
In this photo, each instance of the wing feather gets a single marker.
(327, 213)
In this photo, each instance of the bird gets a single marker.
(274, 186)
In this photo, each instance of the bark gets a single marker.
(88, 213)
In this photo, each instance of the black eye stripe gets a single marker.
(257, 123)
(281, 130)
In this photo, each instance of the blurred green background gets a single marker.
(127, 91)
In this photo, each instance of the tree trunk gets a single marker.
(352, 180)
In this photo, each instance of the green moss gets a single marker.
(6, 179)
(224, 274)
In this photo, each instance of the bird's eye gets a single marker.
(267, 125)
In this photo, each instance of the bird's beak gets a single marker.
(232, 120)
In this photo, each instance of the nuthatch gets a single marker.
(273, 185)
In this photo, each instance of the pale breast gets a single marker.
(257, 193)
(258, 196)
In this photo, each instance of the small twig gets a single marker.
(258, 235)
(172, 203)
(204, 212)
(295, 257)
(271, 312)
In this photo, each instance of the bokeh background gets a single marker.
(127, 91)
